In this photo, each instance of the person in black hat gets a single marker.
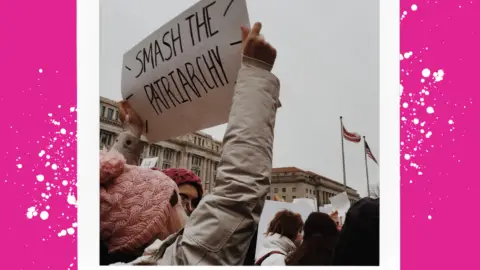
(360, 236)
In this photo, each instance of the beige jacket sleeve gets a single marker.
(220, 229)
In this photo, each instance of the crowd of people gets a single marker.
(161, 217)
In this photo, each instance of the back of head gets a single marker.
(320, 238)
(286, 223)
(359, 238)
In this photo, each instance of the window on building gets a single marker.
(284, 190)
(116, 115)
(306, 190)
(196, 161)
(166, 165)
(110, 114)
(106, 138)
(284, 198)
(294, 189)
(268, 197)
(275, 190)
(196, 171)
(154, 151)
(168, 154)
(102, 111)
(294, 197)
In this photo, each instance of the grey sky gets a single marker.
(328, 65)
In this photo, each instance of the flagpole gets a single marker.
(366, 165)
(343, 156)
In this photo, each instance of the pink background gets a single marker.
(38, 109)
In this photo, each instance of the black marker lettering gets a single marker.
(149, 89)
(178, 90)
(191, 74)
(168, 45)
(199, 26)
(211, 68)
(219, 62)
(165, 101)
(201, 73)
(141, 64)
(189, 18)
(166, 87)
(147, 57)
(185, 82)
(158, 51)
(207, 18)
(179, 39)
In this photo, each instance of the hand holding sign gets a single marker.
(255, 46)
(130, 118)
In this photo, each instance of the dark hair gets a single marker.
(319, 241)
(286, 223)
(359, 240)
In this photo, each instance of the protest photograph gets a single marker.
(239, 132)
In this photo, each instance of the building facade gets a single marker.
(197, 151)
(290, 183)
(200, 153)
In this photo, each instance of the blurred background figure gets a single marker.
(320, 236)
(282, 237)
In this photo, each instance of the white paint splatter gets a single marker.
(64, 182)
(44, 215)
(407, 156)
(429, 217)
(40, 70)
(450, 122)
(70, 231)
(426, 72)
(40, 178)
(19, 166)
(405, 105)
(63, 131)
(71, 199)
(54, 166)
(430, 110)
(414, 7)
(428, 135)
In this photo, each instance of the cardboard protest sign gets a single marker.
(269, 211)
(149, 162)
(341, 204)
(181, 78)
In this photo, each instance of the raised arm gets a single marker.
(128, 143)
(220, 229)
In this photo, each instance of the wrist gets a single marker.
(250, 61)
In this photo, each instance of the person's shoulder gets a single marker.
(274, 259)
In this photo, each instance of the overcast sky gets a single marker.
(328, 65)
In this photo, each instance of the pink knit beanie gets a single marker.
(134, 204)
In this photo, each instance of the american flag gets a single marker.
(369, 152)
(351, 136)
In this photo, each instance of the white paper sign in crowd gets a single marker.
(149, 162)
(181, 77)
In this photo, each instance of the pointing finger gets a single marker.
(256, 29)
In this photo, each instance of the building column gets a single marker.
(160, 158)
(189, 161)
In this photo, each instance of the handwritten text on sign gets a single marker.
(181, 77)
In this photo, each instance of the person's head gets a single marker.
(286, 223)
(359, 239)
(320, 236)
(137, 205)
(189, 186)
